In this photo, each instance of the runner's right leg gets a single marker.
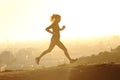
(61, 45)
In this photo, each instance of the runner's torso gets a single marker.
(56, 31)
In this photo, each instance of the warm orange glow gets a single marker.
(27, 19)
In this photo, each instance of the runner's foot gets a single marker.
(37, 60)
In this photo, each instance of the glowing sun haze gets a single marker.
(27, 19)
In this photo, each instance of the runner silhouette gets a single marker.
(54, 29)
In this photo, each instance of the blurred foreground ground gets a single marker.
(67, 72)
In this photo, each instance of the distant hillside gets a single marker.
(112, 56)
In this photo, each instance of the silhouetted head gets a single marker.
(56, 18)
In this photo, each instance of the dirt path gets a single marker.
(42, 74)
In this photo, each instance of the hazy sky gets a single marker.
(27, 19)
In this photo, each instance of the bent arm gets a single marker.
(48, 29)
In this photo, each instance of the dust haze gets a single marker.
(20, 55)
